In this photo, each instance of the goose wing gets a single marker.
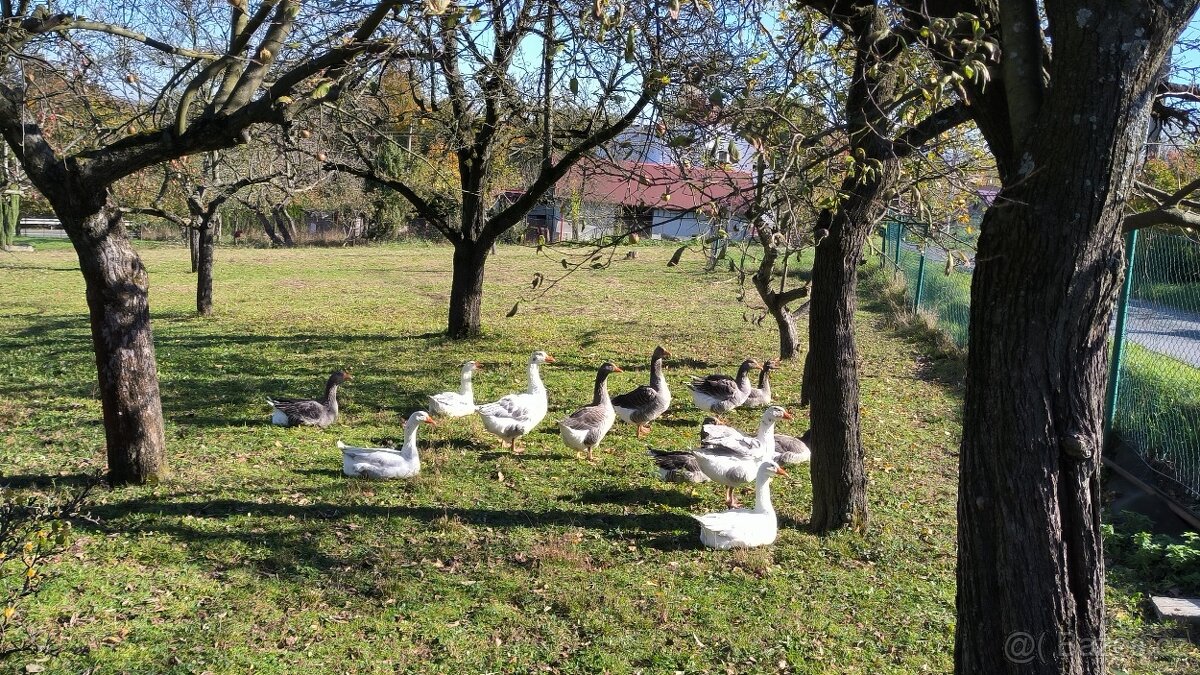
(298, 408)
(717, 432)
(733, 446)
(512, 407)
(720, 386)
(586, 418)
(791, 450)
(642, 397)
(728, 523)
(675, 460)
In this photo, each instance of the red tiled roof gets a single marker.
(662, 186)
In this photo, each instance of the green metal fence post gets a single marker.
(887, 227)
(1118, 351)
(920, 272)
(896, 248)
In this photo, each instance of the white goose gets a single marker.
(731, 458)
(788, 449)
(387, 462)
(745, 528)
(457, 403)
(517, 414)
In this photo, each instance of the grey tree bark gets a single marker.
(1067, 131)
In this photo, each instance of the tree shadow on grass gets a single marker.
(319, 473)
(51, 481)
(677, 422)
(294, 539)
(639, 495)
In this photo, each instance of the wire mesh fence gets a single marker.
(1154, 392)
(936, 267)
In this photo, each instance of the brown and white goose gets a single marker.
(646, 403)
(677, 466)
(291, 412)
(760, 396)
(680, 466)
(586, 428)
(719, 393)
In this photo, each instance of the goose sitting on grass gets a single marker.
(646, 403)
(291, 412)
(791, 450)
(457, 403)
(517, 414)
(387, 462)
(745, 528)
(586, 428)
(719, 393)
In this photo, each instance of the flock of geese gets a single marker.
(724, 455)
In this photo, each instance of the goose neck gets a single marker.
(410, 437)
(465, 387)
(743, 378)
(656, 376)
(600, 391)
(766, 429)
(535, 379)
(762, 495)
(764, 380)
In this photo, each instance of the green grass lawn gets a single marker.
(258, 555)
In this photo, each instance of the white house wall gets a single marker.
(680, 225)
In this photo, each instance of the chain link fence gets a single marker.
(1154, 390)
(936, 267)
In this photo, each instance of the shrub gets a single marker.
(1157, 561)
(34, 530)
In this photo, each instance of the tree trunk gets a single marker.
(285, 224)
(118, 303)
(776, 303)
(204, 273)
(1031, 568)
(268, 226)
(789, 337)
(466, 288)
(839, 480)
(193, 235)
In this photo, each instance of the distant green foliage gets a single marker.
(1168, 258)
